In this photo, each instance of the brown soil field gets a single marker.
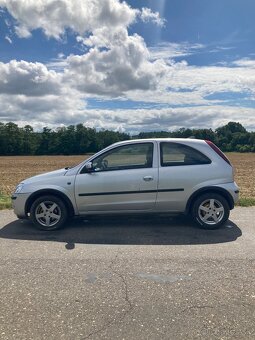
(244, 165)
(14, 169)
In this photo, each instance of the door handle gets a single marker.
(148, 178)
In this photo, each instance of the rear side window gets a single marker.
(174, 154)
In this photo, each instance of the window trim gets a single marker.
(209, 161)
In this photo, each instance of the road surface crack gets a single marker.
(126, 298)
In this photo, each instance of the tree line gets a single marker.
(79, 139)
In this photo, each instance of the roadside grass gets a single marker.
(5, 202)
(246, 202)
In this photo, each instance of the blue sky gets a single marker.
(116, 65)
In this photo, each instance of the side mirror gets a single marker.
(89, 167)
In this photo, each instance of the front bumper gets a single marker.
(19, 203)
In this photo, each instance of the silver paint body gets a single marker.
(98, 186)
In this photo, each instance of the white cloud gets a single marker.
(168, 119)
(116, 61)
(49, 110)
(245, 62)
(54, 16)
(31, 92)
(8, 39)
(122, 65)
(148, 16)
(209, 79)
(61, 55)
(115, 64)
(69, 108)
(172, 50)
(183, 84)
(22, 31)
(31, 79)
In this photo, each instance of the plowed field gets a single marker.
(15, 169)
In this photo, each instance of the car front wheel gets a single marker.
(210, 211)
(48, 213)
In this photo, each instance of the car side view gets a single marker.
(164, 175)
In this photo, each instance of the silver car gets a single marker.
(164, 175)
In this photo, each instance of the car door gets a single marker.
(122, 179)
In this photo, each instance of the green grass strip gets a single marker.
(246, 202)
(5, 202)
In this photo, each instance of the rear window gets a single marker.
(174, 154)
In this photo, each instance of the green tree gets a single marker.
(44, 140)
(28, 140)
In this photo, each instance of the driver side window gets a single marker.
(131, 156)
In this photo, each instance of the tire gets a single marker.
(48, 213)
(210, 211)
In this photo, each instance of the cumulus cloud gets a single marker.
(54, 16)
(49, 110)
(115, 64)
(148, 16)
(32, 79)
(30, 93)
(30, 90)
(122, 65)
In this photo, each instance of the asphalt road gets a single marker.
(128, 278)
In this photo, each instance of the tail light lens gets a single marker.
(218, 151)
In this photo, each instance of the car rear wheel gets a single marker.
(48, 213)
(210, 211)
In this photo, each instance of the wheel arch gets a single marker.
(210, 189)
(53, 192)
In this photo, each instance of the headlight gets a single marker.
(19, 188)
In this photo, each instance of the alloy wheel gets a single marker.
(48, 213)
(211, 211)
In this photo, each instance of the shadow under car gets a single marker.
(125, 230)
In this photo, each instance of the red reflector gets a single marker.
(218, 151)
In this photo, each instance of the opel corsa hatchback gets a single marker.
(138, 176)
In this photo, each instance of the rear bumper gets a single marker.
(233, 189)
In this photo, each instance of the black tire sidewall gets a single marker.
(202, 198)
(61, 205)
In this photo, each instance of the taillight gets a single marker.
(218, 151)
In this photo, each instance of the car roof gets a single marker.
(179, 140)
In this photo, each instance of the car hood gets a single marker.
(45, 176)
